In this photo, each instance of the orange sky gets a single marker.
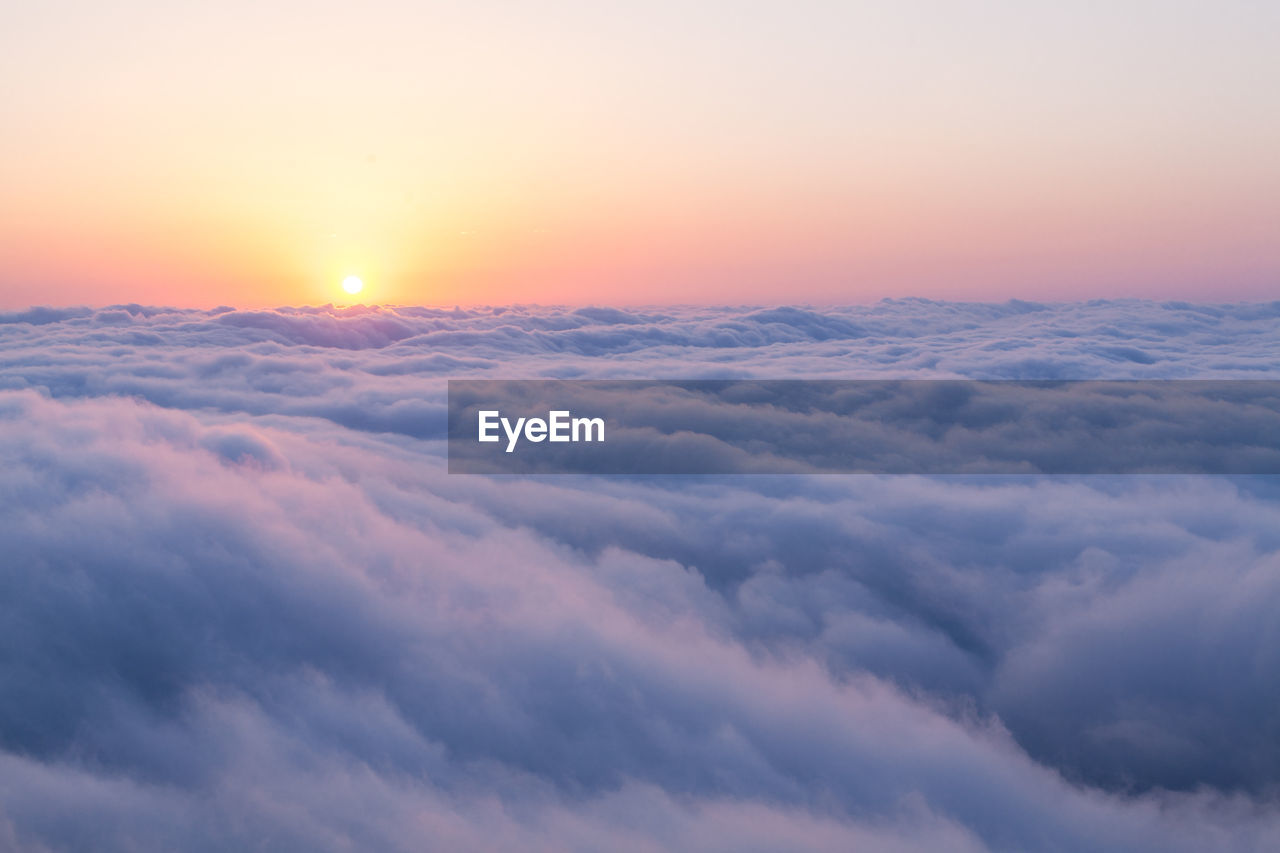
(250, 154)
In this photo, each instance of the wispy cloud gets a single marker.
(241, 600)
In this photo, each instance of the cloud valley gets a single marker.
(241, 602)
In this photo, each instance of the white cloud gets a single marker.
(241, 600)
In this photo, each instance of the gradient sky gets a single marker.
(253, 154)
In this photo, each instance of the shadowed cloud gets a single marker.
(241, 599)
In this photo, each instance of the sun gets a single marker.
(352, 284)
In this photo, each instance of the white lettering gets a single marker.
(488, 423)
(587, 424)
(559, 426)
(513, 435)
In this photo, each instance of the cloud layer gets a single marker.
(242, 605)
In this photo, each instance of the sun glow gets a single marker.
(352, 284)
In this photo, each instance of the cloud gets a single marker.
(242, 602)
(877, 426)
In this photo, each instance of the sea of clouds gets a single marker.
(242, 605)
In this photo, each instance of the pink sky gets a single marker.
(642, 153)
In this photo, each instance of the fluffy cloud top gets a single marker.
(242, 605)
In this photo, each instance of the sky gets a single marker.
(255, 154)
